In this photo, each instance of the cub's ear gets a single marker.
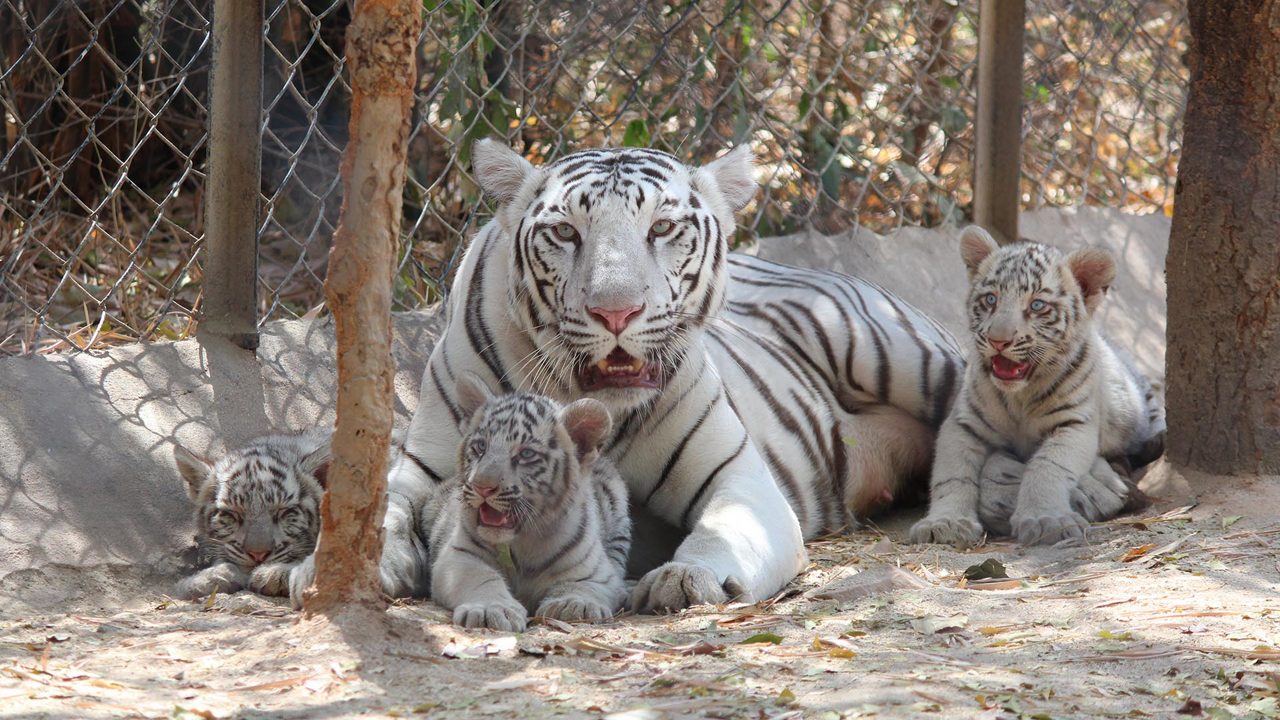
(194, 470)
(472, 392)
(1094, 270)
(316, 463)
(975, 245)
(588, 423)
(500, 170)
(734, 175)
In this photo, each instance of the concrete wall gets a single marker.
(86, 472)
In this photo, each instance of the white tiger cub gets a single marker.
(1046, 407)
(257, 511)
(537, 519)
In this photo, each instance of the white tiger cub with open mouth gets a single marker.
(1047, 405)
(537, 521)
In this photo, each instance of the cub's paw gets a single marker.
(301, 577)
(221, 578)
(675, 586)
(505, 616)
(961, 532)
(271, 579)
(1047, 529)
(575, 608)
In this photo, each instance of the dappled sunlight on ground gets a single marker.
(1173, 609)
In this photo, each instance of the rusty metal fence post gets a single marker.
(998, 152)
(235, 165)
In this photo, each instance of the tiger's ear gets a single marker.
(472, 392)
(975, 245)
(194, 470)
(500, 170)
(734, 175)
(316, 463)
(1094, 270)
(588, 423)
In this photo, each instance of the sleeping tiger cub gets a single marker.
(1047, 407)
(257, 511)
(537, 520)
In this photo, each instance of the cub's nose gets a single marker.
(615, 320)
(485, 490)
(999, 345)
(258, 556)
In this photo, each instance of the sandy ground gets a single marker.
(1173, 610)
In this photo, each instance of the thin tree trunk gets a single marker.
(381, 47)
(1224, 250)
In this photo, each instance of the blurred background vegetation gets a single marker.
(860, 112)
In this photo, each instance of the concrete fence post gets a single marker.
(998, 161)
(230, 304)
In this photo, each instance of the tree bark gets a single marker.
(1223, 366)
(381, 48)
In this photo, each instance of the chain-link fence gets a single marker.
(859, 111)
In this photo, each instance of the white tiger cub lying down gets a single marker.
(1046, 408)
(257, 512)
(537, 520)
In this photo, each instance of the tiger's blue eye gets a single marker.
(1039, 306)
(478, 446)
(660, 228)
(565, 231)
(989, 299)
(526, 455)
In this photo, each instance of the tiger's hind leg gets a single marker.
(1100, 495)
(888, 453)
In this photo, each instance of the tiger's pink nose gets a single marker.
(258, 556)
(999, 345)
(485, 490)
(615, 320)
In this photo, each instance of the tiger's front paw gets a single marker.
(675, 586)
(271, 579)
(1048, 528)
(222, 578)
(575, 608)
(301, 577)
(508, 616)
(962, 532)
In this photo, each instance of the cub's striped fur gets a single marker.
(809, 399)
(537, 520)
(257, 512)
(1047, 408)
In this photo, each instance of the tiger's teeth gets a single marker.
(603, 365)
(636, 364)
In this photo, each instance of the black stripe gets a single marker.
(693, 502)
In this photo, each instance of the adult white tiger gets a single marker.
(606, 274)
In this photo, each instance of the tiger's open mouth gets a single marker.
(490, 516)
(1011, 370)
(620, 370)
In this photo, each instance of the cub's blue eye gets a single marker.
(478, 446)
(662, 227)
(526, 455)
(989, 299)
(565, 231)
(1039, 306)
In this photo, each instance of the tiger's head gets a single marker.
(259, 503)
(618, 260)
(1030, 305)
(522, 457)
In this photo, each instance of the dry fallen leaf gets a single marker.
(1134, 553)
(870, 582)
(931, 624)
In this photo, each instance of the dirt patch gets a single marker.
(1175, 609)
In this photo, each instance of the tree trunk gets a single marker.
(1224, 251)
(381, 48)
